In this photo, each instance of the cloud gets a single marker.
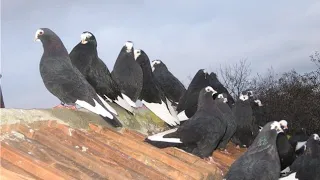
(187, 35)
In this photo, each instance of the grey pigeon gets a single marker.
(84, 56)
(222, 103)
(170, 85)
(128, 74)
(261, 160)
(66, 82)
(307, 166)
(201, 134)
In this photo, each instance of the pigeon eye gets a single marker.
(40, 32)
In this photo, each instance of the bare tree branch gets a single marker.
(236, 77)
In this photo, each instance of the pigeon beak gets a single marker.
(36, 39)
(84, 39)
(285, 127)
(83, 42)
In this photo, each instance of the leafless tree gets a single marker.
(316, 58)
(236, 77)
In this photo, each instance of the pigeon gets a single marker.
(188, 102)
(230, 119)
(261, 160)
(128, 74)
(171, 86)
(216, 84)
(202, 132)
(285, 150)
(244, 134)
(298, 140)
(258, 111)
(84, 56)
(151, 95)
(307, 166)
(66, 82)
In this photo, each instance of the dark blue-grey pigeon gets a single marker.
(84, 56)
(66, 82)
(170, 85)
(307, 166)
(222, 103)
(187, 106)
(261, 160)
(201, 134)
(242, 110)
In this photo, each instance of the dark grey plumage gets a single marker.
(151, 94)
(170, 85)
(84, 56)
(258, 112)
(216, 84)
(307, 166)
(188, 102)
(229, 117)
(66, 82)
(128, 73)
(261, 160)
(244, 134)
(201, 134)
(285, 151)
(298, 140)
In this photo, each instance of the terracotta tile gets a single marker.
(39, 169)
(9, 175)
(15, 169)
(107, 153)
(48, 149)
(154, 152)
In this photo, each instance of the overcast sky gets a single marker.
(187, 35)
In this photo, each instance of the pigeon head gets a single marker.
(312, 147)
(156, 64)
(316, 137)
(142, 59)
(276, 126)
(137, 53)
(284, 124)
(258, 102)
(129, 46)
(243, 97)
(223, 97)
(205, 97)
(44, 34)
(88, 37)
(204, 72)
(209, 89)
(52, 44)
(267, 135)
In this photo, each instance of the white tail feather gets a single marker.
(290, 177)
(123, 103)
(162, 112)
(125, 97)
(300, 145)
(286, 170)
(172, 111)
(97, 108)
(159, 137)
(107, 98)
(107, 105)
(182, 116)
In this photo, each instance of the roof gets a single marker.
(50, 150)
